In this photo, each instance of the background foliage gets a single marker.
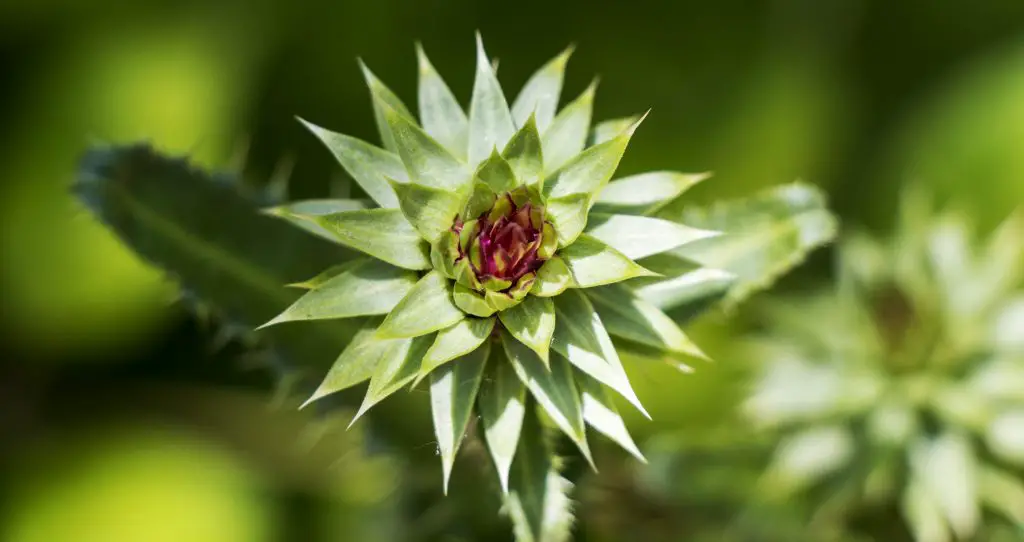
(113, 400)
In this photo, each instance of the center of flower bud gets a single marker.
(496, 246)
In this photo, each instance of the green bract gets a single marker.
(906, 385)
(487, 263)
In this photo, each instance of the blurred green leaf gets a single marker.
(213, 241)
(764, 236)
(538, 500)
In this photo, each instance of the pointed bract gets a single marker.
(427, 161)
(384, 234)
(440, 113)
(458, 340)
(593, 263)
(490, 121)
(453, 391)
(539, 96)
(367, 164)
(431, 211)
(599, 412)
(640, 236)
(567, 135)
(502, 404)
(524, 155)
(397, 366)
(383, 100)
(428, 307)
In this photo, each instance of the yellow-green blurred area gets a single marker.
(120, 422)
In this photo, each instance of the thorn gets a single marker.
(629, 131)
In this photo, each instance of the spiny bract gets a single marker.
(906, 385)
(487, 262)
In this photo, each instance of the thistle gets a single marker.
(489, 240)
(905, 386)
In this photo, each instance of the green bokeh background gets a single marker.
(119, 421)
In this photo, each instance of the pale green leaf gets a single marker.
(357, 361)
(687, 289)
(300, 213)
(627, 315)
(367, 287)
(458, 340)
(524, 155)
(384, 234)
(502, 407)
(640, 236)
(553, 388)
(553, 278)
(538, 499)
(808, 456)
(589, 171)
(923, 515)
(497, 173)
(764, 236)
(427, 161)
(384, 100)
(946, 468)
(490, 121)
(645, 193)
(453, 390)
(532, 323)
(427, 307)
(608, 129)
(567, 135)
(581, 337)
(600, 412)
(397, 366)
(322, 277)
(539, 96)
(367, 164)
(440, 114)
(1005, 436)
(568, 215)
(430, 210)
(1002, 491)
(593, 263)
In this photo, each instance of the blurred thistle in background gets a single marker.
(111, 402)
(904, 388)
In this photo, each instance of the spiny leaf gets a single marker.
(593, 263)
(686, 289)
(553, 388)
(568, 214)
(580, 336)
(539, 96)
(384, 234)
(199, 229)
(384, 100)
(567, 135)
(458, 340)
(589, 171)
(764, 236)
(398, 365)
(426, 160)
(524, 154)
(427, 307)
(627, 315)
(502, 406)
(599, 412)
(645, 193)
(538, 500)
(946, 467)
(430, 210)
(608, 129)
(300, 213)
(357, 361)
(490, 121)
(639, 236)
(453, 391)
(368, 287)
(368, 165)
(440, 113)
(532, 323)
